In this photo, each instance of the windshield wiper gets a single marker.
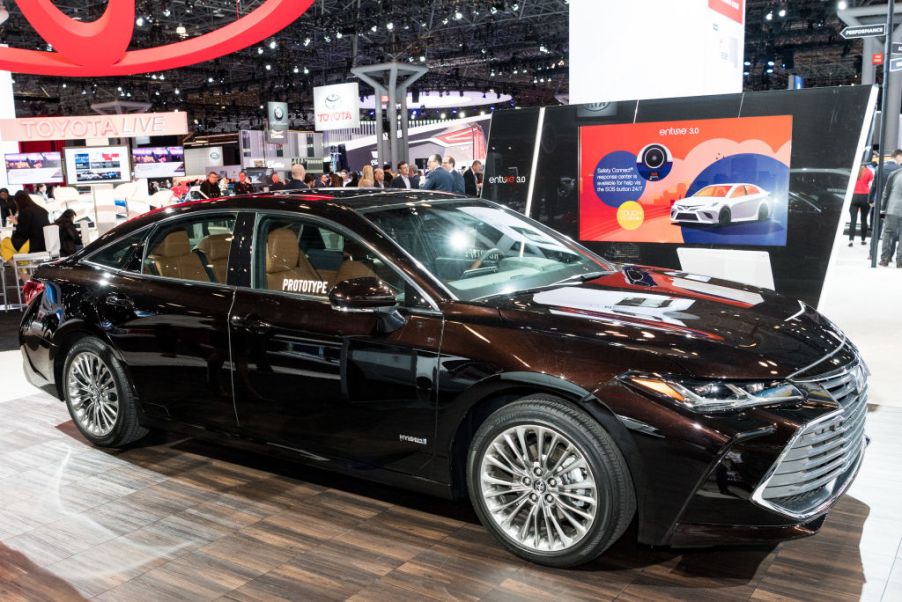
(584, 277)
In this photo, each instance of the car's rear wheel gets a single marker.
(99, 396)
(549, 482)
(724, 217)
(763, 212)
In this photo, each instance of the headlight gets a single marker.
(716, 396)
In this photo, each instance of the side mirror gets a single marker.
(362, 295)
(368, 295)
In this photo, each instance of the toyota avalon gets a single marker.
(460, 349)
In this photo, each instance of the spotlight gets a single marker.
(842, 5)
(260, 50)
(769, 16)
(181, 30)
(458, 16)
(389, 26)
(781, 13)
(273, 45)
(139, 21)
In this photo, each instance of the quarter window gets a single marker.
(196, 249)
(124, 254)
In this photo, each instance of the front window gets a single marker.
(478, 250)
(713, 191)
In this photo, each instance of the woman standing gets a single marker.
(860, 203)
(28, 237)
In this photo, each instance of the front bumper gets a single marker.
(693, 216)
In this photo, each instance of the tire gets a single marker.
(99, 395)
(725, 217)
(763, 212)
(594, 458)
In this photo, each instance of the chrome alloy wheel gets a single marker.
(92, 394)
(538, 488)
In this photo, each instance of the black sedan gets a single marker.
(455, 347)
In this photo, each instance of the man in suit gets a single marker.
(471, 178)
(403, 179)
(458, 179)
(438, 178)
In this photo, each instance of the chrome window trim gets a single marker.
(347, 233)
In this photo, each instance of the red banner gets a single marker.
(734, 9)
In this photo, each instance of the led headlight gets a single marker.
(716, 396)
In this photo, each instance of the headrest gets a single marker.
(282, 251)
(176, 243)
(354, 250)
(215, 246)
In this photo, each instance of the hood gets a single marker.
(710, 327)
(690, 202)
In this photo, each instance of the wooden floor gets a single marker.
(182, 520)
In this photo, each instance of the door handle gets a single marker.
(251, 322)
(119, 300)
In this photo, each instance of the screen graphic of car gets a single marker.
(723, 204)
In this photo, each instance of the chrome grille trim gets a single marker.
(822, 458)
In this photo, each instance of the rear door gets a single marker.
(326, 383)
(168, 316)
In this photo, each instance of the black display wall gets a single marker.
(828, 129)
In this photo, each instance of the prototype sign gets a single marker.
(32, 129)
(75, 42)
(337, 107)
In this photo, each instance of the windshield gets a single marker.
(478, 250)
(713, 191)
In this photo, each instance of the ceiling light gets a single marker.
(340, 35)
(442, 116)
(176, 92)
(781, 13)
(769, 16)
(458, 15)
(389, 26)
(306, 71)
(296, 70)
(306, 41)
(139, 21)
(374, 28)
(260, 50)
(268, 67)
(181, 30)
(842, 5)
(273, 45)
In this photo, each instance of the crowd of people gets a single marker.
(441, 174)
(866, 199)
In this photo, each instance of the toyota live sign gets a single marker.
(337, 107)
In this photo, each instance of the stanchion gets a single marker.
(888, 48)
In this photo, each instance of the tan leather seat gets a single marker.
(284, 260)
(354, 265)
(215, 249)
(173, 257)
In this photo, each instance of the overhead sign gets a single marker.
(854, 32)
(895, 64)
(734, 9)
(336, 107)
(31, 129)
(75, 42)
(897, 48)
(277, 122)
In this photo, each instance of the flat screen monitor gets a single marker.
(34, 168)
(97, 165)
(159, 162)
(258, 175)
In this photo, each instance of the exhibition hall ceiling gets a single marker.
(493, 47)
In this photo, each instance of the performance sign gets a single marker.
(711, 181)
(337, 107)
(32, 129)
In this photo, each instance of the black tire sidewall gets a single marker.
(724, 217)
(605, 524)
(123, 390)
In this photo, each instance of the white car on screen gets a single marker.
(723, 204)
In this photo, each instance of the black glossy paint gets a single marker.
(333, 388)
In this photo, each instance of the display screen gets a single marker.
(711, 181)
(34, 168)
(97, 165)
(159, 162)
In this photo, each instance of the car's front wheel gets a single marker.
(99, 396)
(763, 212)
(724, 217)
(549, 482)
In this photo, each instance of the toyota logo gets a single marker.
(75, 43)
(333, 101)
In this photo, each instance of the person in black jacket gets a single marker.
(70, 239)
(471, 178)
(210, 187)
(30, 220)
(6, 206)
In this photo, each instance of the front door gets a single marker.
(321, 382)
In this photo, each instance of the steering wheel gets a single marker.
(478, 263)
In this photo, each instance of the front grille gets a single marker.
(691, 217)
(815, 467)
